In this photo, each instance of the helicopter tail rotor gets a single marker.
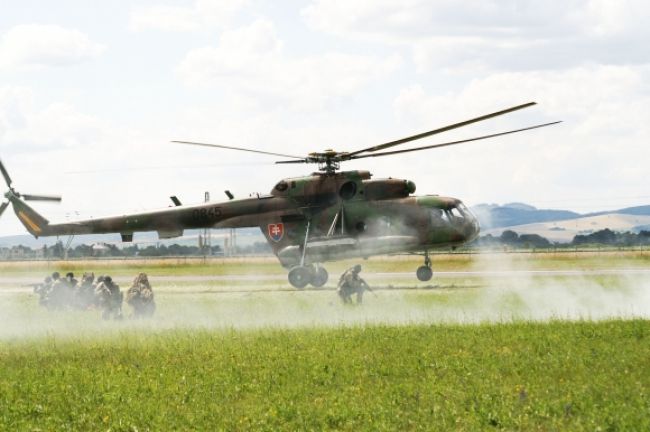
(14, 197)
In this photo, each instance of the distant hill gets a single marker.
(558, 225)
(494, 216)
(636, 211)
(564, 231)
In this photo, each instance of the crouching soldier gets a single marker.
(350, 283)
(109, 299)
(140, 297)
(59, 294)
(85, 291)
(43, 291)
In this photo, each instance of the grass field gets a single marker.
(519, 376)
(234, 348)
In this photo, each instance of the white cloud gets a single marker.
(598, 150)
(202, 14)
(252, 60)
(33, 45)
(524, 34)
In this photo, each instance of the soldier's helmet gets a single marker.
(108, 279)
(56, 275)
(69, 275)
(357, 268)
(141, 278)
(101, 278)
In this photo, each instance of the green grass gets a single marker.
(518, 376)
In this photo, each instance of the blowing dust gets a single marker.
(497, 289)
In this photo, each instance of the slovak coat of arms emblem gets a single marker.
(276, 231)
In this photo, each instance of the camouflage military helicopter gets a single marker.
(325, 216)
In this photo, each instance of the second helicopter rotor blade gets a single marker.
(238, 148)
(454, 142)
(28, 197)
(3, 207)
(440, 130)
(5, 174)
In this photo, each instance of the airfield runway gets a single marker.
(23, 283)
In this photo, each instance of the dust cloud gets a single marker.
(509, 293)
(526, 293)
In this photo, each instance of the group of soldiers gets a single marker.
(56, 293)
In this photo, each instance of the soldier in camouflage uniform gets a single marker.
(85, 291)
(109, 298)
(59, 294)
(140, 297)
(43, 291)
(350, 283)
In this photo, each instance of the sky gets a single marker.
(92, 94)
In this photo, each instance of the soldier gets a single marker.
(59, 295)
(350, 283)
(109, 299)
(140, 297)
(97, 282)
(85, 291)
(70, 284)
(70, 280)
(43, 291)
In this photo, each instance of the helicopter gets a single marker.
(326, 216)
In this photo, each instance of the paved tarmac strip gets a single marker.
(23, 284)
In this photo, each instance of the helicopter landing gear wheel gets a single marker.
(424, 273)
(319, 276)
(299, 277)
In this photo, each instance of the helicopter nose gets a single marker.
(472, 229)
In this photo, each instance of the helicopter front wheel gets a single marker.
(424, 273)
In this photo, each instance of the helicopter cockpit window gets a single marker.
(459, 215)
(438, 217)
(455, 212)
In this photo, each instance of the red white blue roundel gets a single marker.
(276, 231)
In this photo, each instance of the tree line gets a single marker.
(605, 237)
(508, 238)
(58, 251)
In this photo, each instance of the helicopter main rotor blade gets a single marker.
(238, 148)
(455, 142)
(27, 197)
(5, 174)
(3, 207)
(440, 130)
(291, 161)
